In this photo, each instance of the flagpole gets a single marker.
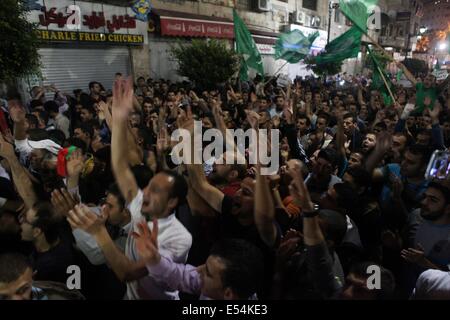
(386, 84)
(279, 69)
(381, 74)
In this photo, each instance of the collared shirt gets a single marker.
(87, 244)
(185, 278)
(174, 241)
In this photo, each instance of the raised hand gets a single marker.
(16, 112)
(80, 217)
(416, 256)
(75, 163)
(63, 201)
(434, 114)
(384, 142)
(253, 119)
(122, 101)
(297, 188)
(162, 142)
(147, 242)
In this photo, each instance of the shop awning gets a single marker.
(191, 25)
(180, 24)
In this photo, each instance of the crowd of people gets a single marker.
(88, 180)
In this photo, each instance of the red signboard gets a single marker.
(196, 28)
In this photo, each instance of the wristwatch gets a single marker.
(311, 214)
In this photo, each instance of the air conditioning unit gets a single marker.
(299, 17)
(264, 5)
(315, 22)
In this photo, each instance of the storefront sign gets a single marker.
(94, 20)
(196, 28)
(87, 17)
(265, 48)
(89, 37)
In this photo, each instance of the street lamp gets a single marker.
(442, 46)
(331, 6)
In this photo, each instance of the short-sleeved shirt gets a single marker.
(174, 241)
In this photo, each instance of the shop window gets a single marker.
(310, 4)
(337, 15)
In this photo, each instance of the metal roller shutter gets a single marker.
(74, 68)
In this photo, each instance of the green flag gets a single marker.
(377, 79)
(358, 11)
(294, 46)
(399, 75)
(246, 47)
(343, 47)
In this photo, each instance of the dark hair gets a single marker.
(80, 144)
(361, 177)
(86, 128)
(32, 120)
(325, 116)
(304, 116)
(92, 83)
(51, 107)
(328, 154)
(86, 101)
(335, 225)
(346, 196)
(180, 187)
(387, 283)
(37, 134)
(13, 266)
(350, 115)
(42, 115)
(113, 189)
(47, 221)
(424, 152)
(148, 100)
(57, 136)
(243, 266)
(442, 188)
(35, 103)
(426, 132)
(142, 174)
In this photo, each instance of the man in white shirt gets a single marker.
(165, 192)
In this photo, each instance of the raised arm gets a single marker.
(125, 269)
(19, 173)
(122, 105)
(17, 114)
(264, 210)
(210, 194)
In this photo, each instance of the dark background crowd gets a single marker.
(87, 180)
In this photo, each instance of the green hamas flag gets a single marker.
(294, 46)
(343, 47)
(245, 46)
(377, 79)
(357, 11)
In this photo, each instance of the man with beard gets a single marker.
(160, 199)
(227, 176)
(322, 178)
(431, 243)
(369, 143)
